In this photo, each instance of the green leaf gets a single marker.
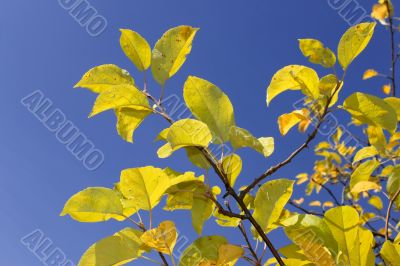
(371, 110)
(170, 52)
(270, 200)
(353, 42)
(294, 77)
(210, 105)
(210, 250)
(129, 120)
(232, 165)
(316, 53)
(344, 223)
(104, 77)
(162, 238)
(120, 96)
(94, 204)
(313, 237)
(118, 249)
(364, 153)
(241, 138)
(136, 48)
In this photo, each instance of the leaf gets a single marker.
(129, 120)
(386, 89)
(287, 121)
(380, 12)
(145, 186)
(197, 158)
(294, 77)
(316, 53)
(170, 52)
(362, 173)
(94, 204)
(201, 210)
(207, 251)
(364, 153)
(228, 254)
(313, 237)
(226, 221)
(376, 202)
(393, 184)
(390, 253)
(232, 165)
(270, 200)
(370, 73)
(104, 77)
(363, 186)
(120, 96)
(371, 110)
(394, 102)
(343, 222)
(136, 49)
(241, 138)
(163, 238)
(315, 203)
(353, 42)
(328, 86)
(118, 249)
(211, 106)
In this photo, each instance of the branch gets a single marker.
(305, 210)
(392, 200)
(278, 166)
(328, 190)
(394, 55)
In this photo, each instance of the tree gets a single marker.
(349, 230)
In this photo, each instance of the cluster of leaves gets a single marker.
(339, 234)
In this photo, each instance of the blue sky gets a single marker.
(239, 47)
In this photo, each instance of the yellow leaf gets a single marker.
(328, 204)
(370, 73)
(228, 253)
(104, 77)
(118, 249)
(241, 138)
(390, 253)
(201, 210)
(376, 202)
(298, 201)
(163, 238)
(232, 165)
(315, 203)
(294, 77)
(136, 48)
(363, 173)
(301, 178)
(129, 120)
(170, 52)
(226, 221)
(120, 96)
(328, 86)
(287, 121)
(353, 42)
(211, 106)
(376, 137)
(95, 204)
(380, 11)
(270, 200)
(363, 186)
(394, 102)
(188, 132)
(364, 153)
(386, 89)
(316, 53)
(371, 110)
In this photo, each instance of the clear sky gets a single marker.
(239, 47)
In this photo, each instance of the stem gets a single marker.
(393, 52)
(392, 200)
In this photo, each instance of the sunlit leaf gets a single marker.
(294, 77)
(364, 153)
(170, 52)
(228, 254)
(270, 200)
(353, 42)
(136, 48)
(362, 174)
(376, 202)
(95, 204)
(129, 120)
(394, 102)
(210, 105)
(287, 121)
(162, 238)
(371, 110)
(232, 165)
(104, 77)
(315, 51)
(118, 249)
(370, 73)
(390, 253)
(241, 138)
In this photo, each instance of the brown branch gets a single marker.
(278, 166)
(305, 210)
(392, 200)
(226, 212)
(327, 190)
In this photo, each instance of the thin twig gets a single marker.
(328, 190)
(392, 200)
